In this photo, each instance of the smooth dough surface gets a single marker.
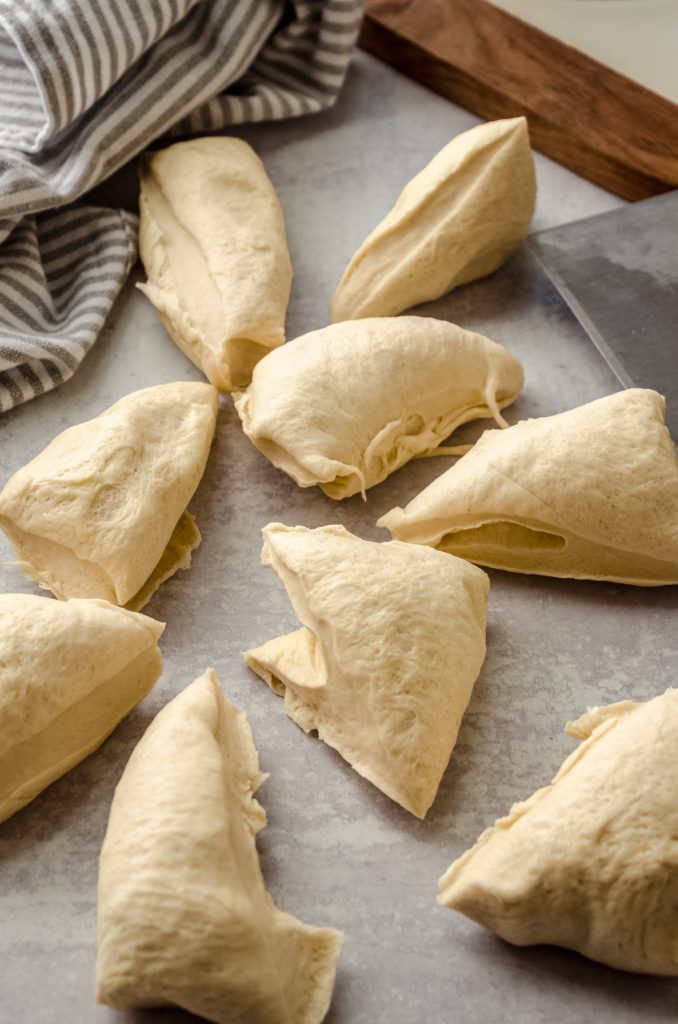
(101, 510)
(591, 493)
(69, 672)
(184, 917)
(393, 639)
(345, 406)
(591, 861)
(212, 241)
(458, 219)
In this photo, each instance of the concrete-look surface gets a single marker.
(336, 851)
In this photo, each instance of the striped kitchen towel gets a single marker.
(87, 84)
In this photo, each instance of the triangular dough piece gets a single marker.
(591, 493)
(100, 511)
(184, 917)
(458, 219)
(345, 406)
(212, 241)
(69, 672)
(393, 641)
(591, 861)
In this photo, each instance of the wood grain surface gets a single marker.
(581, 113)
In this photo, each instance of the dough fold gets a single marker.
(212, 242)
(184, 917)
(591, 861)
(458, 219)
(591, 493)
(101, 511)
(392, 642)
(69, 672)
(345, 406)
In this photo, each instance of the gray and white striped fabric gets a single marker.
(59, 275)
(87, 84)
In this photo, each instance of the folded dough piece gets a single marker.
(101, 511)
(212, 241)
(69, 672)
(591, 493)
(345, 406)
(458, 219)
(591, 861)
(393, 639)
(184, 917)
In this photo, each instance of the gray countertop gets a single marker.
(336, 851)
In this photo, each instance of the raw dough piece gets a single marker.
(393, 639)
(591, 493)
(100, 512)
(212, 241)
(345, 406)
(591, 861)
(184, 916)
(69, 672)
(458, 219)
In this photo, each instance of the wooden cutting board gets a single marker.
(594, 120)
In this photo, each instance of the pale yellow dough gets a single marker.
(212, 241)
(591, 861)
(393, 639)
(69, 672)
(184, 917)
(458, 219)
(101, 511)
(591, 493)
(345, 406)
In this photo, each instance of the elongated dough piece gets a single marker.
(184, 916)
(101, 511)
(591, 861)
(458, 219)
(69, 672)
(591, 493)
(392, 642)
(212, 241)
(345, 406)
